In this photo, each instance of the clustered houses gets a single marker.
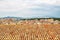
(7, 22)
(41, 21)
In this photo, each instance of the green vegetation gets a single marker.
(41, 18)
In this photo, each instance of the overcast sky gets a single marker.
(30, 8)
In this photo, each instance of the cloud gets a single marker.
(15, 5)
(39, 11)
(29, 7)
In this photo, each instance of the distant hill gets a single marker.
(21, 18)
(15, 18)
